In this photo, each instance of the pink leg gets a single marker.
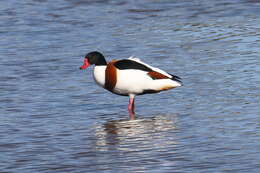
(131, 107)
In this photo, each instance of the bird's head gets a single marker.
(95, 58)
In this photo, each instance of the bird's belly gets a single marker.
(132, 82)
(138, 82)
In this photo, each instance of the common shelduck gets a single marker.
(129, 77)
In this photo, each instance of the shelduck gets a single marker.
(129, 77)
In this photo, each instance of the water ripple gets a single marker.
(54, 117)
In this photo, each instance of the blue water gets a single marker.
(54, 118)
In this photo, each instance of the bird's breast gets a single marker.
(99, 75)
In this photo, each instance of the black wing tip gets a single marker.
(176, 78)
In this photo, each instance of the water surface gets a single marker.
(54, 118)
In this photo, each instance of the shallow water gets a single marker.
(54, 118)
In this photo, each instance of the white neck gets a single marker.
(99, 74)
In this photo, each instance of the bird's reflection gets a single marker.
(148, 132)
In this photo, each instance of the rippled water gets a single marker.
(53, 117)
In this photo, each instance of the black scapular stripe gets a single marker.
(126, 64)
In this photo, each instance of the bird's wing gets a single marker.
(151, 67)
